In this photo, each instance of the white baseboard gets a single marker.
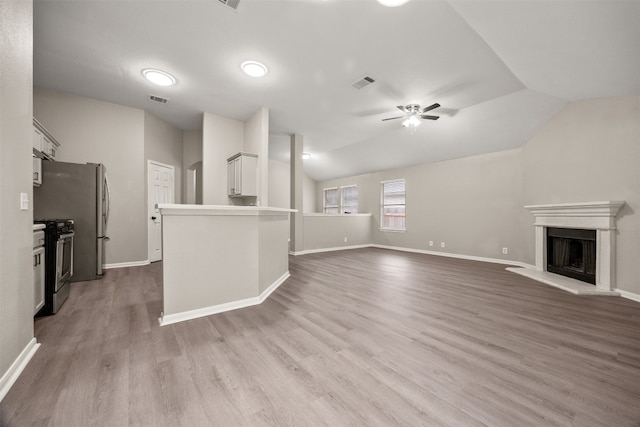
(418, 251)
(628, 295)
(337, 248)
(450, 255)
(11, 376)
(275, 285)
(125, 264)
(221, 308)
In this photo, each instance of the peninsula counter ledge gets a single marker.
(220, 258)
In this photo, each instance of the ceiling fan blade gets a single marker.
(402, 108)
(430, 107)
(393, 118)
(429, 117)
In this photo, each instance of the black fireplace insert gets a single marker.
(572, 253)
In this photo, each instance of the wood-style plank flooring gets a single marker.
(364, 337)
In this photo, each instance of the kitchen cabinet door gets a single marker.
(37, 139)
(37, 171)
(38, 279)
(242, 175)
(44, 144)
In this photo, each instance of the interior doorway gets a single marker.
(193, 184)
(160, 189)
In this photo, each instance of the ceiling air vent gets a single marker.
(158, 99)
(233, 4)
(362, 82)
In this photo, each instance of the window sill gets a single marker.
(392, 230)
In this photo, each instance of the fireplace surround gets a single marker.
(599, 217)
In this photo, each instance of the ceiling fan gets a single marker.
(413, 114)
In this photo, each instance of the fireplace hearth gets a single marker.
(572, 253)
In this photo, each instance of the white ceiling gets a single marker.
(500, 69)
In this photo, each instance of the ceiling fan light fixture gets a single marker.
(254, 68)
(411, 122)
(392, 3)
(159, 77)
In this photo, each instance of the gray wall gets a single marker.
(309, 194)
(473, 204)
(590, 151)
(256, 141)
(329, 231)
(279, 184)
(163, 143)
(16, 235)
(192, 158)
(279, 187)
(221, 139)
(102, 132)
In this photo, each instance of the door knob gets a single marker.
(153, 218)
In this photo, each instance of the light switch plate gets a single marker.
(24, 202)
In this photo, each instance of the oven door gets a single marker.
(64, 260)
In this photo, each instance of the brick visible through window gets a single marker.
(393, 205)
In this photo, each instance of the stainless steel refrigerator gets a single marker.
(79, 192)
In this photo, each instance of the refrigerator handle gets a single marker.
(107, 201)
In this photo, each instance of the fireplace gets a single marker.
(575, 239)
(572, 253)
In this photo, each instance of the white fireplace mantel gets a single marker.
(599, 216)
(590, 216)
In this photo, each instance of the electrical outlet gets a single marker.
(345, 240)
(430, 242)
(442, 244)
(505, 251)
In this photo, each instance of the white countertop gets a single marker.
(178, 209)
(335, 215)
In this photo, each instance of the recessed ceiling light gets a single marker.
(161, 78)
(392, 3)
(254, 69)
(306, 156)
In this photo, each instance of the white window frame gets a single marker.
(340, 206)
(324, 200)
(353, 209)
(382, 206)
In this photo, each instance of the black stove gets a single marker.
(58, 262)
(59, 226)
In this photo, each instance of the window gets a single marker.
(392, 215)
(341, 200)
(349, 199)
(331, 201)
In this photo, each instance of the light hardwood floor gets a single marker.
(364, 337)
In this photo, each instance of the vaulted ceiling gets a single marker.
(500, 69)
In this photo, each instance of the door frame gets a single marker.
(173, 174)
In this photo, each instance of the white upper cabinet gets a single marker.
(242, 175)
(44, 144)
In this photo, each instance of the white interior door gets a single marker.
(160, 182)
